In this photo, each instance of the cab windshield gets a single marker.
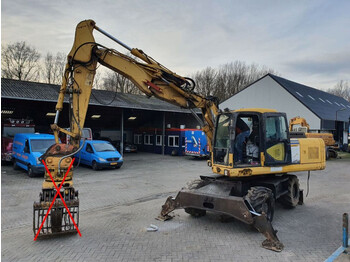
(41, 145)
(102, 147)
(222, 139)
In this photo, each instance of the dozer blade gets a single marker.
(224, 204)
(58, 220)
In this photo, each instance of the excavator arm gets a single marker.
(298, 121)
(148, 75)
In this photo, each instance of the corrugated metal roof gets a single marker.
(16, 89)
(323, 104)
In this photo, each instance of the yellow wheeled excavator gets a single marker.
(251, 151)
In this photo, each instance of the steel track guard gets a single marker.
(228, 205)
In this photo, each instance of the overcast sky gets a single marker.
(305, 41)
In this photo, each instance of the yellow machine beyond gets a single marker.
(251, 151)
(298, 128)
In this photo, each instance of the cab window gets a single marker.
(26, 147)
(276, 129)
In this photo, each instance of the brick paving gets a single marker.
(118, 205)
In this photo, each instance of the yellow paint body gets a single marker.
(312, 157)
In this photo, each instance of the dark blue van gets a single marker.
(27, 148)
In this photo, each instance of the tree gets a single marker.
(53, 68)
(205, 81)
(342, 89)
(118, 83)
(20, 61)
(228, 79)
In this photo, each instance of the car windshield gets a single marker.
(101, 147)
(41, 145)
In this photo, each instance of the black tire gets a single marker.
(327, 153)
(291, 199)
(15, 166)
(195, 184)
(30, 171)
(94, 165)
(262, 200)
(195, 212)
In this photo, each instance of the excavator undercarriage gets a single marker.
(249, 200)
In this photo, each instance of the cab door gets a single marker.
(276, 139)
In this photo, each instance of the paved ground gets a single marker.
(117, 206)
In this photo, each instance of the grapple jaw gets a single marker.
(227, 205)
(58, 221)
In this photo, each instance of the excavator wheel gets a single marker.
(192, 185)
(333, 153)
(291, 199)
(195, 184)
(262, 200)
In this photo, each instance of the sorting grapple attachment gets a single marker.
(216, 197)
(58, 221)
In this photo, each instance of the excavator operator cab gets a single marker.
(251, 137)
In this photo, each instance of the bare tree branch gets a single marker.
(342, 89)
(228, 79)
(20, 61)
(53, 68)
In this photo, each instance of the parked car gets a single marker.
(130, 148)
(99, 154)
(27, 148)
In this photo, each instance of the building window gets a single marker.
(299, 94)
(311, 97)
(158, 140)
(173, 141)
(321, 100)
(137, 139)
(148, 140)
